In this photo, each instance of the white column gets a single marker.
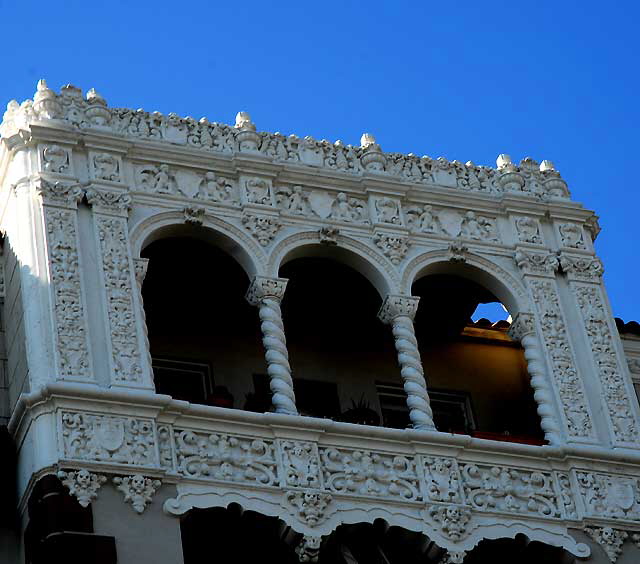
(523, 329)
(267, 293)
(399, 312)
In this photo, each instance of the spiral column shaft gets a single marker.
(523, 329)
(399, 311)
(266, 293)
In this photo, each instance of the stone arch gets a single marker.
(351, 252)
(510, 291)
(226, 236)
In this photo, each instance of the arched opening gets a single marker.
(476, 374)
(235, 535)
(204, 337)
(338, 349)
(507, 551)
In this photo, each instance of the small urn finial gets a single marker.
(45, 102)
(248, 139)
(547, 166)
(372, 157)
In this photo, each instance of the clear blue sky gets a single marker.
(465, 80)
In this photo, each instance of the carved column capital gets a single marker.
(522, 325)
(532, 262)
(396, 306)
(581, 268)
(63, 194)
(264, 287)
(140, 266)
(113, 202)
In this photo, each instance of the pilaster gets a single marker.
(605, 356)
(538, 269)
(129, 366)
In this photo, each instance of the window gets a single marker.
(182, 379)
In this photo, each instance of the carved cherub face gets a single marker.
(453, 513)
(83, 478)
(210, 176)
(342, 197)
(137, 483)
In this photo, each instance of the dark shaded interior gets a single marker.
(478, 361)
(207, 348)
(223, 534)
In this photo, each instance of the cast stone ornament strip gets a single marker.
(225, 458)
(619, 409)
(266, 293)
(166, 447)
(71, 332)
(83, 485)
(138, 490)
(611, 540)
(566, 496)
(541, 182)
(399, 312)
(104, 438)
(569, 385)
(114, 248)
(369, 473)
(523, 329)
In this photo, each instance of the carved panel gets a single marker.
(104, 438)
(226, 458)
(568, 384)
(363, 472)
(105, 166)
(512, 490)
(616, 396)
(114, 247)
(442, 479)
(70, 323)
(300, 464)
(56, 159)
(609, 496)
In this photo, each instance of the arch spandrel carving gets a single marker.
(479, 269)
(229, 237)
(352, 252)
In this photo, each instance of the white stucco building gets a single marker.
(255, 346)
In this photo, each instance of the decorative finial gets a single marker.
(503, 160)
(45, 102)
(248, 139)
(372, 158)
(243, 121)
(93, 97)
(367, 139)
(547, 165)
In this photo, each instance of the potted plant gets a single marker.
(361, 412)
